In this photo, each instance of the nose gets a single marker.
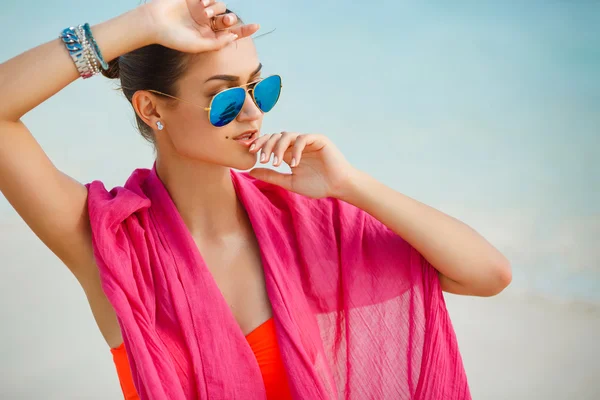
(250, 112)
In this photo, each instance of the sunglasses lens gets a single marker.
(266, 93)
(226, 106)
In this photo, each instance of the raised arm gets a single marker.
(50, 202)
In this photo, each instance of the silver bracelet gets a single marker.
(75, 45)
(90, 56)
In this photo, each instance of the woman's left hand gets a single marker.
(468, 264)
(319, 169)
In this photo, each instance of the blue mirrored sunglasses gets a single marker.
(226, 105)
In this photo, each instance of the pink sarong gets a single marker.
(359, 312)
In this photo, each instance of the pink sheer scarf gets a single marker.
(359, 313)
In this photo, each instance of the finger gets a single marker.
(223, 39)
(197, 9)
(267, 148)
(258, 143)
(273, 177)
(297, 150)
(224, 21)
(245, 30)
(287, 156)
(215, 10)
(281, 146)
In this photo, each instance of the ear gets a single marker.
(146, 106)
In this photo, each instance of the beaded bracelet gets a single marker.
(89, 55)
(83, 49)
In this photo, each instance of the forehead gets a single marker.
(238, 58)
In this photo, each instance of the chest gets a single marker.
(235, 263)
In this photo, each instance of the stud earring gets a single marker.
(160, 126)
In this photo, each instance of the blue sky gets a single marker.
(487, 110)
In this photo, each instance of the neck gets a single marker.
(204, 196)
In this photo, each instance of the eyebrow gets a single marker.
(232, 78)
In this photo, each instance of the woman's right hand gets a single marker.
(185, 25)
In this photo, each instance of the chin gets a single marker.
(244, 163)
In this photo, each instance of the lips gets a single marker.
(247, 137)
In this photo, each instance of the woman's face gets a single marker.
(187, 129)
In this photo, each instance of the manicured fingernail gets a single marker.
(252, 147)
(293, 164)
(205, 3)
(263, 157)
(275, 160)
(209, 12)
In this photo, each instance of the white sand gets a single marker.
(519, 347)
(514, 347)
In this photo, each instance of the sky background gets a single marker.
(487, 110)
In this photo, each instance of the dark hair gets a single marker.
(153, 67)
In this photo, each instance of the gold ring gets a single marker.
(213, 23)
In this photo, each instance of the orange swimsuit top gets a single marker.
(263, 342)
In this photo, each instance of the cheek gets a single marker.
(193, 135)
(188, 127)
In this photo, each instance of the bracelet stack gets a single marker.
(84, 50)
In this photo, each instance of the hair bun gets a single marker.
(113, 71)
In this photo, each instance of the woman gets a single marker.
(319, 284)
